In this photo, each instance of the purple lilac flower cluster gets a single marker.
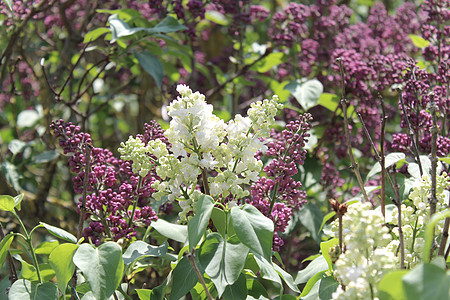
(277, 195)
(112, 186)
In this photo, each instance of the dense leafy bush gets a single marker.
(276, 150)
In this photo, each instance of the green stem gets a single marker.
(130, 222)
(28, 239)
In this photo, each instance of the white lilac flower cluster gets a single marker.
(200, 141)
(136, 151)
(365, 260)
(415, 218)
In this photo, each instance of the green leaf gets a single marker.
(151, 65)
(219, 219)
(172, 231)
(323, 289)
(46, 247)
(7, 203)
(197, 225)
(391, 286)
(17, 201)
(139, 250)
(60, 233)
(27, 118)
(253, 229)
(310, 216)
(4, 247)
(237, 290)
(95, 34)
(326, 218)
(429, 232)
(45, 157)
(307, 93)
(61, 261)
(419, 41)
(24, 290)
(267, 270)
(268, 62)
(184, 278)
(256, 290)
(317, 265)
(445, 159)
(311, 282)
(325, 248)
(278, 89)
(9, 4)
(286, 277)
(389, 160)
(426, 281)
(102, 267)
(222, 260)
(169, 24)
(216, 17)
(28, 272)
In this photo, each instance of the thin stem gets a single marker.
(199, 275)
(30, 246)
(354, 166)
(410, 133)
(85, 185)
(434, 133)
(11, 268)
(205, 181)
(383, 159)
(401, 238)
(340, 233)
(133, 211)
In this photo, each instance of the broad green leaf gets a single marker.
(45, 157)
(95, 34)
(391, 286)
(61, 261)
(256, 290)
(172, 231)
(17, 201)
(278, 89)
(27, 118)
(267, 270)
(219, 219)
(102, 267)
(426, 281)
(16, 146)
(389, 160)
(286, 277)
(197, 225)
(140, 249)
(169, 24)
(216, 17)
(285, 297)
(237, 290)
(46, 247)
(7, 203)
(184, 278)
(25, 290)
(156, 293)
(151, 65)
(311, 282)
(268, 62)
(253, 229)
(326, 218)
(325, 248)
(331, 102)
(445, 159)
(317, 265)
(307, 93)
(419, 41)
(222, 260)
(198, 292)
(429, 232)
(60, 233)
(4, 247)
(323, 289)
(310, 216)
(28, 272)
(414, 170)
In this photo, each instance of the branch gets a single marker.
(199, 275)
(344, 101)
